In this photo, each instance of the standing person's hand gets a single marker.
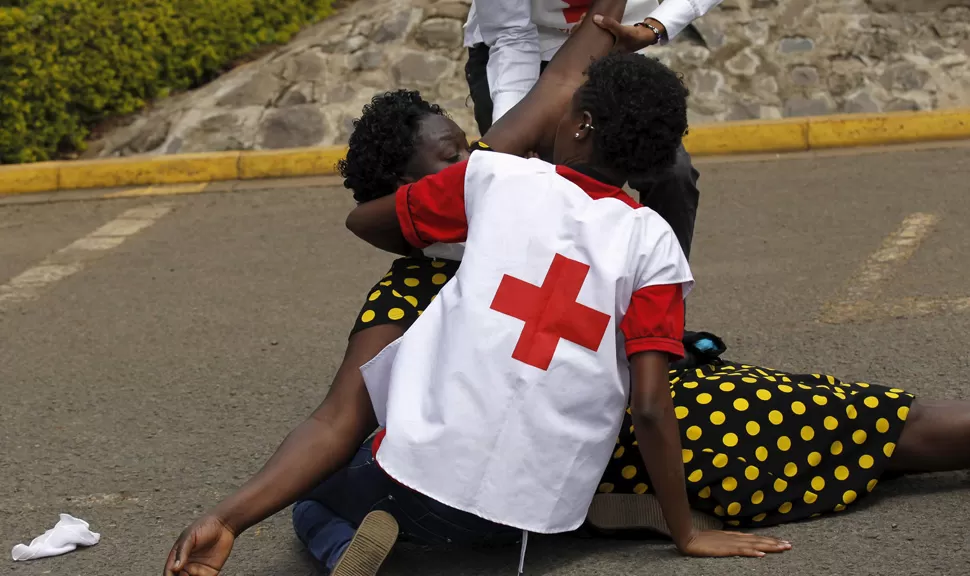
(714, 543)
(630, 38)
(201, 550)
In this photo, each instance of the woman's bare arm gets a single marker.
(531, 125)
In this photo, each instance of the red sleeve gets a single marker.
(655, 321)
(432, 209)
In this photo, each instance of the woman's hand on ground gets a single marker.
(201, 550)
(714, 543)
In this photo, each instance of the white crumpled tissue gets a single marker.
(64, 537)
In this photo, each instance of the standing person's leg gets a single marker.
(476, 75)
(674, 196)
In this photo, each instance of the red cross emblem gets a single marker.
(550, 312)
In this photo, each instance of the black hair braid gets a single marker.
(382, 143)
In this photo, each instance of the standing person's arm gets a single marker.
(670, 19)
(513, 56)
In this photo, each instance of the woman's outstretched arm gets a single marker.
(314, 450)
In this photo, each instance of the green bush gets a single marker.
(67, 64)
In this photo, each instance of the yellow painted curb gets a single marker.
(175, 169)
(747, 137)
(24, 178)
(751, 137)
(900, 128)
(292, 162)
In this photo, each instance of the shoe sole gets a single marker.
(638, 512)
(370, 546)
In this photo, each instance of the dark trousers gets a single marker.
(673, 195)
(326, 518)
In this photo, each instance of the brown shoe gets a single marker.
(370, 546)
(638, 512)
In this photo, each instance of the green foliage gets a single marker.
(67, 64)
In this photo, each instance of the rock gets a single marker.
(219, 132)
(757, 32)
(300, 93)
(291, 127)
(339, 94)
(693, 55)
(440, 33)
(353, 44)
(455, 10)
(744, 63)
(712, 37)
(705, 83)
(815, 106)
(393, 28)
(744, 111)
(910, 5)
(420, 69)
(309, 66)
(902, 105)
(260, 90)
(766, 85)
(804, 75)
(904, 76)
(860, 102)
(151, 135)
(795, 45)
(370, 59)
(933, 51)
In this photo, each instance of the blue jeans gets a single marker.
(326, 518)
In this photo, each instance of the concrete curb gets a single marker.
(751, 137)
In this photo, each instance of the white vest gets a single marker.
(519, 431)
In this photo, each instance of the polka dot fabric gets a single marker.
(762, 447)
(404, 292)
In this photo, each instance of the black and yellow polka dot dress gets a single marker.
(760, 446)
(404, 292)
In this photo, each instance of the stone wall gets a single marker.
(746, 59)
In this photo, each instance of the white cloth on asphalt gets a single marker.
(64, 537)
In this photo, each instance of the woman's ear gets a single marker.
(585, 128)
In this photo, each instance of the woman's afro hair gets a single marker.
(639, 111)
(383, 142)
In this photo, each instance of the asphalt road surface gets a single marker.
(145, 378)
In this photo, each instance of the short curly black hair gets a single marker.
(639, 111)
(383, 142)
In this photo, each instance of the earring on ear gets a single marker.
(577, 135)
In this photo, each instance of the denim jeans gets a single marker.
(326, 518)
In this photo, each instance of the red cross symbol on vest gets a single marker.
(550, 312)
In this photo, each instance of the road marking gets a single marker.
(72, 258)
(863, 301)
